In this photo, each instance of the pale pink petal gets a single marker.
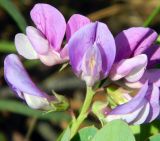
(52, 58)
(50, 22)
(37, 40)
(75, 22)
(65, 52)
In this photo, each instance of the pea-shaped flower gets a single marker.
(92, 52)
(134, 53)
(19, 81)
(142, 108)
(45, 41)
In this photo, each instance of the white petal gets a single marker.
(36, 102)
(24, 47)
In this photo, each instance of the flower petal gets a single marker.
(75, 22)
(18, 78)
(105, 41)
(65, 52)
(153, 56)
(93, 33)
(128, 117)
(79, 43)
(131, 69)
(91, 65)
(142, 116)
(36, 102)
(134, 41)
(52, 58)
(24, 47)
(153, 98)
(133, 104)
(151, 75)
(50, 22)
(37, 40)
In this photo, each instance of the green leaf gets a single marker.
(11, 9)
(116, 130)
(155, 138)
(20, 108)
(85, 134)
(144, 131)
(7, 47)
(67, 134)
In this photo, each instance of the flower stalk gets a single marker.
(84, 112)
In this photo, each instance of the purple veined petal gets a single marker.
(91, 65)
(134, 41)
(37, 40)
(106, 44)
(52, 58)
(142, 116)
(131, 69)
(153, 96)
(50, 22)
(75, 22)
(24, 47)
(79, 43)
(133, 104)
(93, 33)
(153, 55)
(152, 76)
(18, 79)
(128, 117)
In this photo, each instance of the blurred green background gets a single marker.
(16, 119)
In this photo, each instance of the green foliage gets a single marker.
(7, 47)
(155, 138)
(85, 134)
(144, 131)
(116, 130)
(11, 9)
(151, 17)
(20, 108)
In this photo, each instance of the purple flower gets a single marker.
(92, 52)
(44, 42)
(143, 108)
(134, 53)
(19, 81)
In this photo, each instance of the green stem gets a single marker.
(84, 112)
(152, 16)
